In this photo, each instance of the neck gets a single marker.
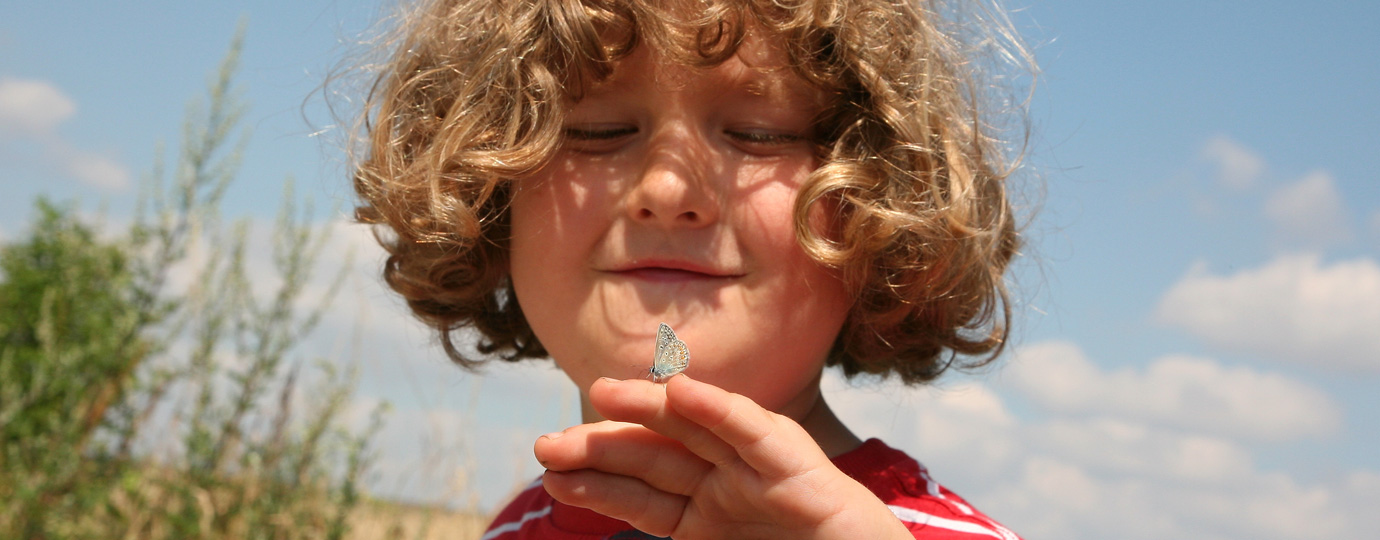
(829, 433)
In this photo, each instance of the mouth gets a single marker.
(671, 271)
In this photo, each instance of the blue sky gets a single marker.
(1197, 353)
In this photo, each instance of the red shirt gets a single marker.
(929, 510)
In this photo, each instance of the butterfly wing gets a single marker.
(664, 337)
(678, 357)
(672, 355)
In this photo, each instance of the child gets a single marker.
(789, 185)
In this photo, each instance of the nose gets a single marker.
(678, 183)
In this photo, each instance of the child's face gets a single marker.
(672, 202)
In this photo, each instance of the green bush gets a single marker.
(99, 352)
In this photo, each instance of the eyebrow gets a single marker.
(775, 85)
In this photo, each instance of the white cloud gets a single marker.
(1309, 212)
(1293, 309)
(1049, 497)
(1358, 496)
(96, 170)
(455, 437)
(1053, 497)
(32, 108)
(1177, 391)
(1103, 471)
(1116, 445)
(964, 423)
(1237, 167)
(452, 438)
(31, 112)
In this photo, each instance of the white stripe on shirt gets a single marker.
(515, 525)
(934, 490)
(911, 515)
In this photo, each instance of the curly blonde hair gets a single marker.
(473, 97)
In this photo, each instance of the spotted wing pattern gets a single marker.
(671, 354)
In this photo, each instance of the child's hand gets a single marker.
(691, 460)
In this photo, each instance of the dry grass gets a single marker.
(392, 521)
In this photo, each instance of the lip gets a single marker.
(671, 271)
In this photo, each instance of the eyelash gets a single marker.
(764, 138)
(579, 134)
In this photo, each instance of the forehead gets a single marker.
(759, 68)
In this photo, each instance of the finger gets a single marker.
(620, 497)
(644, 402)
(627, 450)
(773, 445)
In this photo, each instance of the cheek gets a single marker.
(540, 226)
(549, 210)
(766, 204)
(557, 215)
(528, 219)
(805, 302)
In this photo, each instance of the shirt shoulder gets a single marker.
(520, 518)
(534, 514)
(928, 509)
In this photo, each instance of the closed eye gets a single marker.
(597, 138)
(763, 137)
(767, 142)
(598, 133)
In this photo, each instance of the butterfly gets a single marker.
(671, 354)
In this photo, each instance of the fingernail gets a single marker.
(553, 436)
(610, 379)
